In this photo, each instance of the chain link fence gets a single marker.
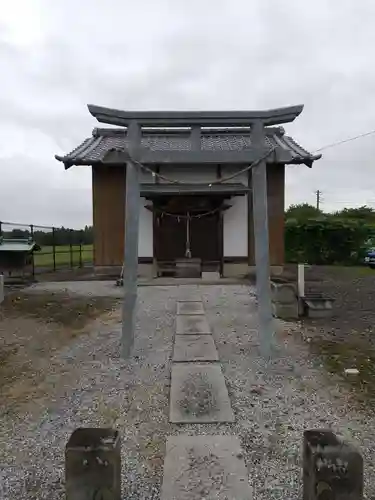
(58, 248)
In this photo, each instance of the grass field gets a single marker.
(64, 256)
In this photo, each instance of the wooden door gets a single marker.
(170, 238)
(204, 238)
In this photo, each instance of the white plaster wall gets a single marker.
(235, 228)
(189, 174)
(201, 174)
(146, 234)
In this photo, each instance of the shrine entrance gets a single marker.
(188, 227)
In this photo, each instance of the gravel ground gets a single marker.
(91, 386)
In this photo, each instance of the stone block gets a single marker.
(93, 465)
(210, 275)
(318, 307)
(188, 268)
(286, 311)
(284, 293)
(331, 468)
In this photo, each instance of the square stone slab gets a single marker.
(188, 325)
(194, 348)
(189, 307)
(199, 394)
(209, 467)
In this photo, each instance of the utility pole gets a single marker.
(318, 199)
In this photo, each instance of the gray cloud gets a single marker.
(241, 54)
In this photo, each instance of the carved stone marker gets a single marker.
(332, 469)
(93, 465)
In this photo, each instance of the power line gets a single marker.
(333, 144)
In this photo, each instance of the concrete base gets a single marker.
(241, 269)
(144, 271)
(235, 270)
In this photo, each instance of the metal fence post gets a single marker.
(71, 249)
(80, 256)
(32, 255)
(1, 229)
(54, 248)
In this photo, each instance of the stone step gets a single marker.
(194, 348)
(189, 307)
(209, 467)
(199, 394)
(192, 325)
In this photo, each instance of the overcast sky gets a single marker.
(57, 56)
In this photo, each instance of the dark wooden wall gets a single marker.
(108, 197)
(276, 201)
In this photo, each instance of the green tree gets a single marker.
(364, 213)
(303, 212)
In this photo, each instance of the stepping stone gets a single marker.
(199, 394)
(209, 467)
(194, 348)
(188, 307)
(188, 325)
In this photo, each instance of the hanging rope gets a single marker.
(185, 216)
(211, 183)
(188, 251)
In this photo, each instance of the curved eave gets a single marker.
(305, 160)
(68, 162)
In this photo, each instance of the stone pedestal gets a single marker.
(188, 268)
(284, 300)
(93, 465)
(331, 469)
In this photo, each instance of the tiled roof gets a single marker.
(94, 149)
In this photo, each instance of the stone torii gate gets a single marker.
(257, 157)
